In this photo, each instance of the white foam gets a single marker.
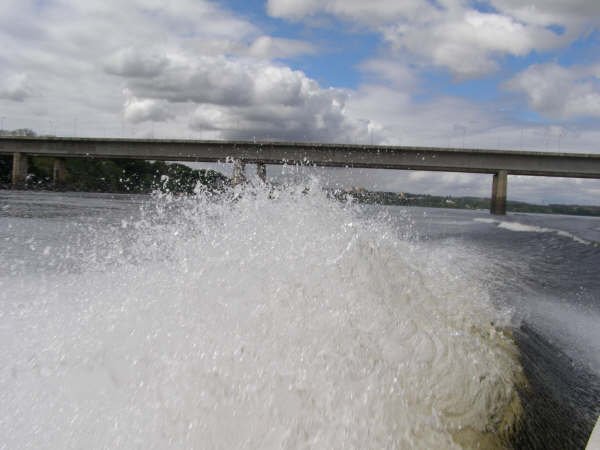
(484, 220)
(521, 227)
(271, 320)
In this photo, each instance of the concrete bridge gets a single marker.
(499, 163)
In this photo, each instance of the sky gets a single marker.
(508, 74)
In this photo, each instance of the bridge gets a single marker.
(499, 163)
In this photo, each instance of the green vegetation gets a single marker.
(116, 175)
(111, 175)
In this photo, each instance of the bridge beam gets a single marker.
(499, 185)
(20, 167)
(239, 175)
(261, 171)
(328, 155)
(59, 172)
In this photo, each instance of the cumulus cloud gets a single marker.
(141, 110)
(136, 62)
(15, 88)
(241, 98)
(229, 82)
(278, 103)
(451, 33)
(390, 71)
(468, 44)
(313, 122)
(574, 15)
(267, 47)
(189, 63)
(559, 92)
(374, 12)
(450, 121)
(444, 121)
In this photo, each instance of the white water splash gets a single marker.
(274, 319)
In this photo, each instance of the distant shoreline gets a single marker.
(472, 203)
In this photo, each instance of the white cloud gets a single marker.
(292, 8)
(142, 110)
(224, 81)
(285, 105)
(175, 62)
(136, 62)
(448, 121)
(15, 87)
(452, 34)
(387, 70)
(443, 121)
(468, 44)
(559, 92)
(374, 12)
(267, 47)
(243, 98)
(574, 15)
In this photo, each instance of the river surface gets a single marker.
(280, 318)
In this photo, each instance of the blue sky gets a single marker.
(344, 46)
(341, 48)
(491, 73)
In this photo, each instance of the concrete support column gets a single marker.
(239, 175)
(19, 169)
(499, 184)
(59, 172)
(261, 171)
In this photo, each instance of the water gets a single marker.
(284, 319)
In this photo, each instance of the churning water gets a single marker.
(281, 318)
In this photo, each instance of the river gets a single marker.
(281, 318)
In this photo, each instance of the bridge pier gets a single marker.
(20, 167)
(261, 171)
(499, 185)
(239, 175)
(59, 172)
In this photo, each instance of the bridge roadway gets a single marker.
(500, 163)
